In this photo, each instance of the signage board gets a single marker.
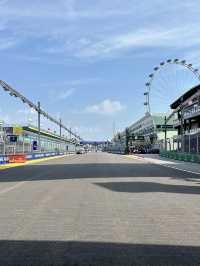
(17, 131)
(13, 138)
(35, 145)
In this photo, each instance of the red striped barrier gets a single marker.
(17, 158)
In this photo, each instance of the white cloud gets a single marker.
(21, 116)
(29, 111)
(59, 95)
(179, 37)
(74, 82)
(6, 44)
(65, 94)
(114, 44)
(84, 130)
(106, 107)
(26, 115)
(62, 10)
(66, 24)
(193, 57)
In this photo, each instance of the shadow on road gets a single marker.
(142, 187)
(78, 171)
(95, 254)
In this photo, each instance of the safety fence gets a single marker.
(187, 157)
(21, 158)
(27, 148)
(183, 144)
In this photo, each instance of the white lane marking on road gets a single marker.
(183, 170)
(157, 163)
(173, 167)
(6, 190)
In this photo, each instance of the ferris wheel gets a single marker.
(167, 82)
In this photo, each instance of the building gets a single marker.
(187, 120)
(148, 133)
(25, 139)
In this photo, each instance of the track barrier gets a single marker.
(17, 158)
(186, 157)
(4, 159)
(22, 158)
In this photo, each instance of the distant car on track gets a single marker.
(80, 151)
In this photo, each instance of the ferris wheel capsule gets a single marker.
(183, 62)
(156, 68)
(169, 60)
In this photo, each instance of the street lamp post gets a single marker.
(70, 134)
(182, 126)
(165, 133)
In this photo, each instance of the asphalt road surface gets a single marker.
(99, 209)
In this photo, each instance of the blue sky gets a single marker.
(87, 61)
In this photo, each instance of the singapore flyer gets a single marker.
(169, 80)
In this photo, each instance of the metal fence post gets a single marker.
(189, 139)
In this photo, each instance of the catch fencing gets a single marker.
(185, 144)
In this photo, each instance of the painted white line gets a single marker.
(6, 190)
(157, 163)
(183, 170)
(173, 167)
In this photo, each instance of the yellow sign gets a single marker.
(17, 131)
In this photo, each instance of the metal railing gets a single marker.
(27, 148)
(192, 131)
(186, 144)
(192, 111)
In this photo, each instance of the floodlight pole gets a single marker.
(60, 128)
(70, 133)
(165, 133)
(39, 128)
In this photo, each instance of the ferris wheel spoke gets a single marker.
(168, 81)
(163, 101)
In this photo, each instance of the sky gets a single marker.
(88, 61)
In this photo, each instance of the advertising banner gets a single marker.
(17, 131)
(13, 138)
(35, 145)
